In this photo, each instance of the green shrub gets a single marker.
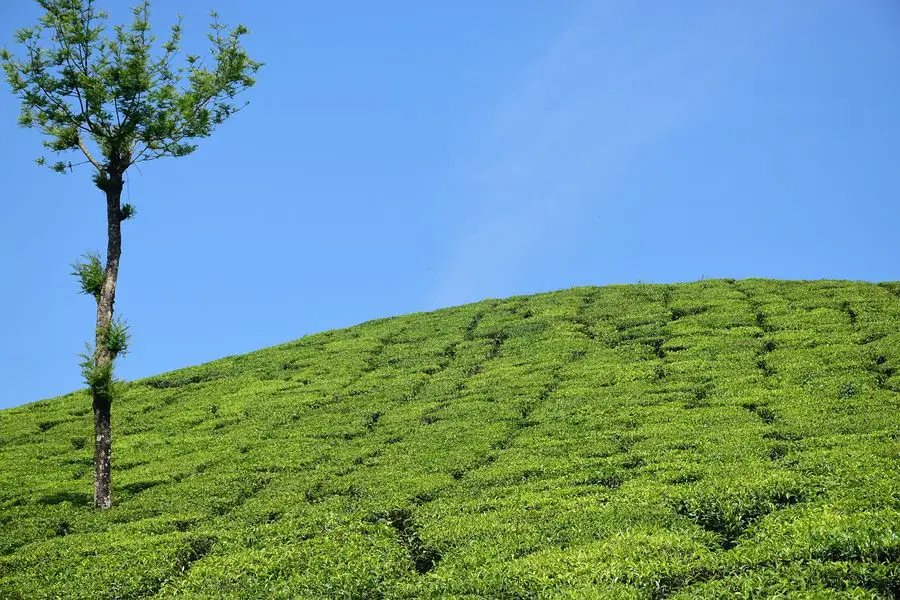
(730, 439)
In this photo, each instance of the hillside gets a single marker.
(718, 439)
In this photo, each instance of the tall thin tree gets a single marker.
(118, 100)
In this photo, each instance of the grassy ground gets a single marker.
(719, 439)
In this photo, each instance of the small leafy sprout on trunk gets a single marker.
(91, 274)
(118, 100)
(96, 376)
(117, 337)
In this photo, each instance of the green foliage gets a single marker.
(117, 337)
(100, 376)
(118, 99)
(128, 211)
(96, 376)
(91, 274)
(614, 442)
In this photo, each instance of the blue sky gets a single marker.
(406, 156)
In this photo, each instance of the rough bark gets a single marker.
(104, 357)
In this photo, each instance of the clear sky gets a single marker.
(406, 156)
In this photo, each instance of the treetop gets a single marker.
(118, 99)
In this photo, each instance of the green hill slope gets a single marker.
(708, 440)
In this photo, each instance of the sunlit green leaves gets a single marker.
(528, 446)
(90, 273)
(96, 376)
(117, 337)
(121, 96)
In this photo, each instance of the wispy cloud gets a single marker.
(614, 83)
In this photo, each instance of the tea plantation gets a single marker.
(721, 439)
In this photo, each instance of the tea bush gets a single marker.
(721, 439)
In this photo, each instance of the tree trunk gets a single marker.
(104, 357)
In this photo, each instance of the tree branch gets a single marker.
(88, 155)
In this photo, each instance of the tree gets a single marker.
(118, 100)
